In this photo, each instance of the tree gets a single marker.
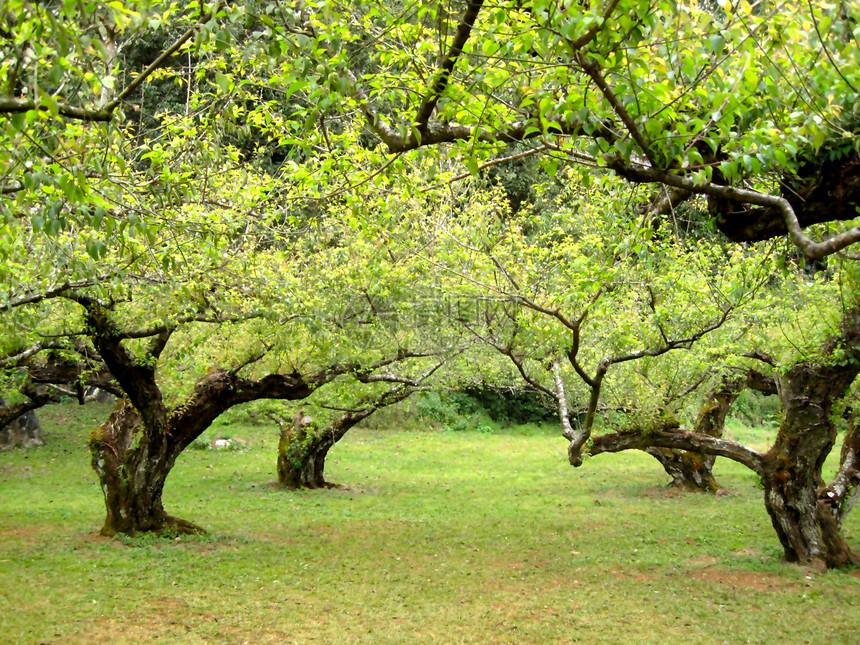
(638, 294)
(810, 380)
(305, 442)
(806, 513)
(734, 107)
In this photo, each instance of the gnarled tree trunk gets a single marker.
(806, 515)
(693, 471)
(134, 453)
(803, 518)
(132, 463)
(23, 431)
(302, 451)
(690, 471)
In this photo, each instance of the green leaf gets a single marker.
(224, 82)
(18, 120)
(716, 44)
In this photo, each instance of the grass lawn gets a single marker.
(437, 537)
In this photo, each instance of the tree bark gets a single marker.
(693, 471)
(302, 451)
(802, 516)
(23, 430)
(132, 465)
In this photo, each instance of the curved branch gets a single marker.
(593, 71)
(54, 292)
(813, 250)
(682, 440)
(669, 345)
(171, 325)
(19, 357)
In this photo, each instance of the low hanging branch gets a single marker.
(616, 442)
(813, 250)
(54, 378)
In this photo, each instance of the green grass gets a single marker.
(440, 537)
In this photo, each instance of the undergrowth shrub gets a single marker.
(464, 409)
(755, 409)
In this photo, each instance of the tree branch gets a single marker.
(14, 105)
(438, 132)
(20, 357)
(591, 34)
(593, 71)
(813, 250)
(54, 292)
(561, 398)
(443, 76)
(171, 325)
(682, 440)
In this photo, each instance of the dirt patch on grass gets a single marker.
(26, 536)
(743, 579)
(109, 630)
(671, 492)
(332, 486)
(167, 604)
(749, 551)
(632, 575)
(703, 560)
(166, 619)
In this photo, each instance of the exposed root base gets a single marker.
(324, 485)
(169, 526)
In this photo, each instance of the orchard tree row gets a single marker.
(636, 208)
